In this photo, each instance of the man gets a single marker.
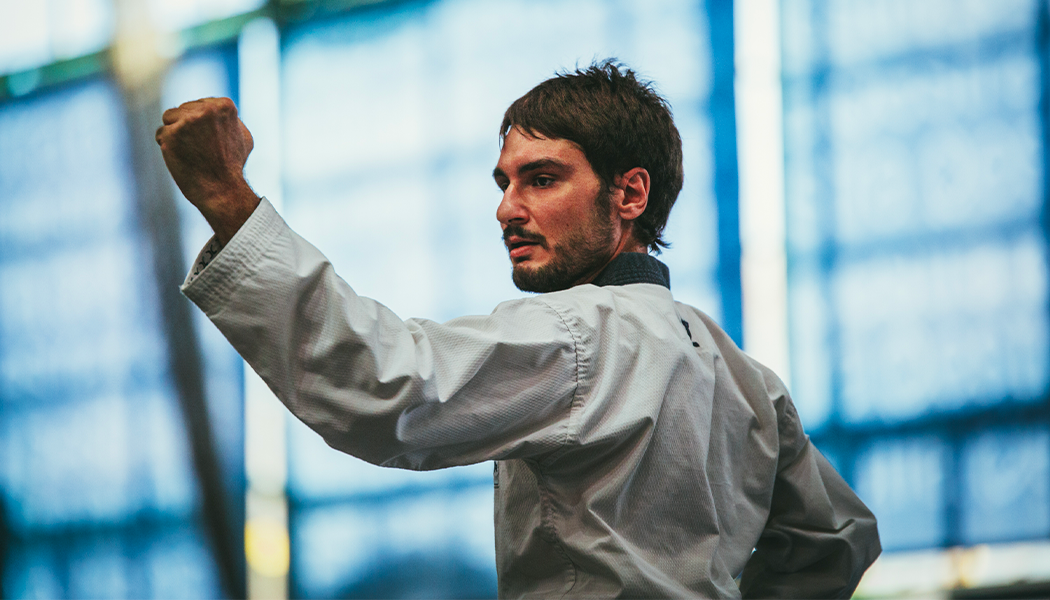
(639, 452)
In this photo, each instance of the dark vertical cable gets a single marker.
(722, 110)
(159, 218)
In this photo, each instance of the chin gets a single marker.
(522, 272)
(539, 279)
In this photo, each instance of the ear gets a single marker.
(635, 186)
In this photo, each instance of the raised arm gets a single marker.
(413, 394)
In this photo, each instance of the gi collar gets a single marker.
(634, 267)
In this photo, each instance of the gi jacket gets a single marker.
(640, 452)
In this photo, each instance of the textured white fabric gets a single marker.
(634, 461)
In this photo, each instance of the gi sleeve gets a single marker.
(411, 394)
(819, 538)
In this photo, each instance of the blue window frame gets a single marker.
(100, 486)
(915, 141)
(95, 472)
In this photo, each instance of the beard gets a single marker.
(582, 253)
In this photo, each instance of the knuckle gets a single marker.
(225, 106)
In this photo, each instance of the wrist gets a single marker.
(227, 210)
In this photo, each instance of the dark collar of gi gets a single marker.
(634, 267)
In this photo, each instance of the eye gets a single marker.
(543, 181)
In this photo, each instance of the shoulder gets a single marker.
(585, 316)
(593, 302)
(710, 335)
(754, 379)
(624, 316)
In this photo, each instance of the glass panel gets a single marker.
(805, 179)
(952, 329)
(915, 188)
(436, 545)
(35, 33)
(63, 472)
(75, 134)
(173, 15)
(855, 34)
(94, 459)
(811, 360)
(25, 35)
(936, 149)
(902, 482)
(914, 192)
(178, 565)
(81, 26)
(99, 569)
(48, 297)
(154, 560)
(865, 31)
(32, 571)
(1006, 477)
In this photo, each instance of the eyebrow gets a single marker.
(543, 163)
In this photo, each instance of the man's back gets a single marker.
(666, 479)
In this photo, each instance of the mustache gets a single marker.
(519, 232)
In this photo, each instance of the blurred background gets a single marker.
(865, 210)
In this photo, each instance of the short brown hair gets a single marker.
(620, 122)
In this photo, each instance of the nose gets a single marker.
(511, 211)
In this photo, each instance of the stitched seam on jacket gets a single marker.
(571, 433)
(571, 437)
(549, 526)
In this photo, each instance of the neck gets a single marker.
(627, 244)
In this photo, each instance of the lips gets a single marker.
(520, 246)
(520, 249)
(521, 242)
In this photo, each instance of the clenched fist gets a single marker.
(205, 146)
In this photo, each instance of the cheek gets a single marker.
(570, 212)
(560, 227)
(561, 220)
